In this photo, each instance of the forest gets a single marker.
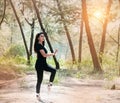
(88, 34)
(85, 32)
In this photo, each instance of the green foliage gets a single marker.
(32, 60)
(51, 62)
(15, 50)
(87, 64)
(20, 60)
(15, 66)
(15, 61)
(69, 65)
(85, 69)
(81, 74)
(57, 78)
(110, 67)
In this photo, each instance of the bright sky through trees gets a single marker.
(98, 14)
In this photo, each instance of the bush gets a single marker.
(15, 50)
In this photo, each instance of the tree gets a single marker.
(31, 24)
(66, 30)
(80, 39)
(117, 55)
(46, 36)
(102, 46)
(95, 60)
(24, 40)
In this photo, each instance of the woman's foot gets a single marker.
(38, 98)
(49, 86)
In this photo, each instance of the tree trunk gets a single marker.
(96, 63)
(117, 55)
(80, 45)
(80, 39)
(102, 46)
(47, 39)
(32, 25)
(3, 12)
(32, 35)
(67, 32)
(26, 48)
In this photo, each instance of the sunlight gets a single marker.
(98, 14)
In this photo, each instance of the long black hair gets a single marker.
(36, 41)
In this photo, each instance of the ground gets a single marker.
(69, 90)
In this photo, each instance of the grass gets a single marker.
(84, 70)
(17, 67)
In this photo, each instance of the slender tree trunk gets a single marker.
(118, 51)
(102, 46)
(80, 39)
(80, 45)
(117, 55)
(96, 63)
(32, 25)
(46, 36)
(67, 32)
(26, 48)
(3, 12)
(32, 35)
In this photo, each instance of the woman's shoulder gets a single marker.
(39, 46)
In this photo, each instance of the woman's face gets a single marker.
(41, 38)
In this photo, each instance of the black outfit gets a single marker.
(42, 65)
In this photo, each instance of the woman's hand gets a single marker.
(47, 55)
(55, 51)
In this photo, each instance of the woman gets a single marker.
(41, 63)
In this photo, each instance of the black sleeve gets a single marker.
(39, 47)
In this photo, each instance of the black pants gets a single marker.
(40, 71)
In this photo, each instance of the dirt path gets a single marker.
(69, 90)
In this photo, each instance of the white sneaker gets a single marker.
(49, 86)
(38, 98)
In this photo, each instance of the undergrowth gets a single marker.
(83, 70)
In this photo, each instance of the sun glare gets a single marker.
(98, 14)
